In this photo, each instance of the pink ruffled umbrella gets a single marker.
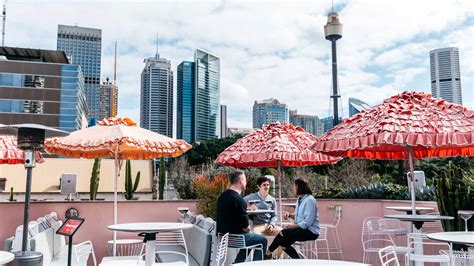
(11, 154)
(409, 125)
(275, 145)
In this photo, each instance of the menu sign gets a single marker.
(70, 226)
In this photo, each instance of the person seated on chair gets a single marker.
(232, 216)
(306, 223)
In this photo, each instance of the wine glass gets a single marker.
(183, 210)
(465, 215)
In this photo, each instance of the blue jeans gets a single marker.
(250, 240)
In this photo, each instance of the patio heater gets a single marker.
(30, 138)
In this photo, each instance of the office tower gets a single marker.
(327, 123)
(207, 92)
(108, 99)
(333, 32)
(223, 124)
(83, 47)
(356, 106)
(310, 123)
(269, 111)
(446, 74)
(239, 131)
(41, 87)
(156, 97)
(185, 102)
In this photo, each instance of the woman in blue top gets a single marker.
(306, 222)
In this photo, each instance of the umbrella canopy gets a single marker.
(406, 126)
(11, 154)
(117, 138)
(275, 144)
(431, 127)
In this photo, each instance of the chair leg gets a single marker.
(327, 248)
(338, 243)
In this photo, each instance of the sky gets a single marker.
(267, 48)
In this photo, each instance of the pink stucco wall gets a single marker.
(99, 215)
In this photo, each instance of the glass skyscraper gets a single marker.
(83, 47)
(156, 96)
(269, 111)
(356, 106)
(310, 123)
(446, 74)
(207, 95)
(185, 102)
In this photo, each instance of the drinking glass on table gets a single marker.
(465, 215)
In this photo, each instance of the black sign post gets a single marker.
(69, 228)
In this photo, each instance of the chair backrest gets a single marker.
(419, 241)
(221, 254)
(42, 225)
(370, 225)
(337, 215)
(32, 231)
(375, 244)
(82, 252)
(172, 238)
(236, 241)
(388, 256)
(43, 242)
(385, 224)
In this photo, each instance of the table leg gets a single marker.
(418, 244)
(149, 248)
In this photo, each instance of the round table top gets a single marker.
(408, 208)
(465, 212)
(149, 227)
(259, 211)
(301, 262)
(418, 218)
(289, 204)
(458, 237)
(6, 257)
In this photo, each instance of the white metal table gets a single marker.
(408, 209)
(458, 237)
(6, 257)
(149, 231)
(301, 263)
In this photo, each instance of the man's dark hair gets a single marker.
(234, 177)
(262, 179)
(302, 187)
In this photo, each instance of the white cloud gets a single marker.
(267, 48)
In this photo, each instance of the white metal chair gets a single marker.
(394, 230)
(418, 243)
(237, 241)
(310, 249)
(373, 238)
(332, 227)
(125, 247)
(167, 241)
(459, 258)
(221, 255)
(82, 252)
(388, 256)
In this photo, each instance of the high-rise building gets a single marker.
(327, 123)
(223, 124)
(206, 95)
(156, 97)
(446, 74)
(185, 102)
(356, 106)
(310, 123)
(269, 111)
(83, 47)
(108, 99)
(41, 87)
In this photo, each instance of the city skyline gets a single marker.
(284, 57)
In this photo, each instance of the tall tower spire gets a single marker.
(115, 64)
(333, 32)
(4, 17)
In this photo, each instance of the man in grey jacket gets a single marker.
(263, 223)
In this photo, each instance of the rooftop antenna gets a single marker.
(115, 64)
(157, 55)
(4, 16)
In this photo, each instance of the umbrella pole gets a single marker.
(118, 166)
(29, 173)
(412, 180)
(279, 194)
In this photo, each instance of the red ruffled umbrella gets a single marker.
(409, 125)
(11, 154)
(275, 145)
